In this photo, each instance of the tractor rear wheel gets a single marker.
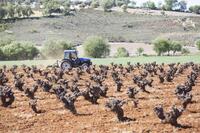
(66, 65)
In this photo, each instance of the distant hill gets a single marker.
(115, 26)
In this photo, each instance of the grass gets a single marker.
(106, 61)
(143, 59)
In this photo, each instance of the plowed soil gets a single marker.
(96, 118)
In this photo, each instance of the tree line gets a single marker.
(12, 10)
(168, 5)
(95, 47)
(15, 10)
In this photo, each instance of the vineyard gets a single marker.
(137, 97)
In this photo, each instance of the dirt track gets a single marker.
(96, 118)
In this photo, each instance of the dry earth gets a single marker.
(96, 118)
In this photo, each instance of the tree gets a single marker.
(107, 4)
(66, 7)
(161, 46)
(95, 4)
(66, 45)
(27, 11)
(195, 9)
(1, 55)
(185, 51)
(30, 51)
(140, 51)
(20, 51)
(176, 46)
(170, 4)
(131, 4)
(50, 6)
(121, 2)
(124, 8)
(150, 5)
(10, 10)
(96, 47)
(198, 44)
(182, 5)
(18, 10)
(3, 13)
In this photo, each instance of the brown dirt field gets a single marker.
(96, 118)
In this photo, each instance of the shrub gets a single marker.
(122, 52)
(5, 41)
(20, 51)
(87, 2)
(117, 38)
(3, 27)
(82, 5)
(1, 54)
(198, 44)
(96, 47)
(66, 45)
(150, 5)
(140, 51)
(185, 51)
(34, 31)
(121, 2)
(107, 5)
(30, 51)
(170, 4)
(50, 6)
(54, 49)
(124, 8)
(195, 9)
(95, 4)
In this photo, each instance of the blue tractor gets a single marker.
(71, 60)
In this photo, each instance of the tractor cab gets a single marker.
(70, 54)
(71, 60)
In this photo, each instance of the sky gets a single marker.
(189, 2)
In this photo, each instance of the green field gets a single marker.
(105, 61)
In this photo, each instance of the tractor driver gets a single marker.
(73, 56)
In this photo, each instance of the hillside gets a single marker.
(115, 26)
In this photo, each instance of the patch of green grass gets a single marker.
(106, 61)
(143, 59)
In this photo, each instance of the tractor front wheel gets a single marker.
(85, 66)
(66, 65)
